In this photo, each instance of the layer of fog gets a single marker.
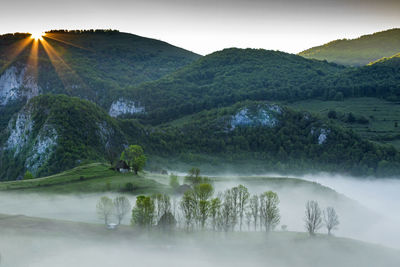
(62, 249)
(382, 196)
(80, 208)
(368, 208)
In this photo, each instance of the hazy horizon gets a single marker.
(206, 26)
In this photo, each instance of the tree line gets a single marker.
(199, 209)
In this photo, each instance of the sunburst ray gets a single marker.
(14, 50)
(67, 75)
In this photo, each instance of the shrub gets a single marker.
(129, 187)
(28, 175)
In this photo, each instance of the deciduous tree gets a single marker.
(313, 217)
(134, 157)
(269, 210)
(121, 206)
(331, 219)
(143, 213)
(105, 208)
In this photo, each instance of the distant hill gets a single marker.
(379, 79)
(360, 51)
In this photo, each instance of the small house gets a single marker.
(121, 166)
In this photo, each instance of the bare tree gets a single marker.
(254, 208)
(243, 197)
(331, 219)
(105, 208)
(121, 207)
(269, 210)
(313, 217)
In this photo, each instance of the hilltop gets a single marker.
(360, 51)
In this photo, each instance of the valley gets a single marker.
(117, 149)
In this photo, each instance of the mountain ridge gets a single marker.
(359, 51)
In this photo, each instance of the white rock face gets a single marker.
(44, 146)
(20, 129)
(264, 116)
(15, 84)
(38, 148)
(105, 133)
(322, 134)
(123, 107)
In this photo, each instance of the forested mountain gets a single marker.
(93, 65)
(228, 76)
(55, 132)
(232, 75)
(360, 51)
(282, 139)
(119, 89)
(380, 79)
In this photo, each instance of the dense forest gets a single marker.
(232, 75)
(229, 76)
(66, 131)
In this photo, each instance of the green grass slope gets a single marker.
(376, 119)
(90, 178)
(360, 51)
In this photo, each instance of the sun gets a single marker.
(37, 35)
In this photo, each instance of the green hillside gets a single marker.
(360, 51)
(90, 178)
(54, 133)
(380, 79)
(227, 77)
(276, 137)
(233, 75)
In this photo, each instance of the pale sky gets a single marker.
(205, 26)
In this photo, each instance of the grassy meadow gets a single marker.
(381, 115)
